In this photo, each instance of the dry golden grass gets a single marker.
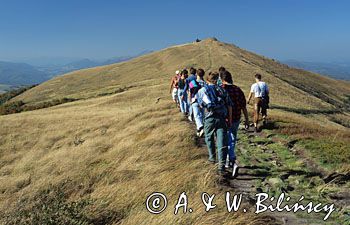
(118, 149)
(114, 151)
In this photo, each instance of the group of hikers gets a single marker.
(215, 104)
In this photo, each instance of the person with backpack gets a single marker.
(174, 87)
(186, 89)
(217, 107)
(238, 99)
(194, 87)
(221, 71)
(182, 95)
(260, 90)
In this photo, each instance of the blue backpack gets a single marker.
(216, 97)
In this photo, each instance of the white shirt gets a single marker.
(259, 88)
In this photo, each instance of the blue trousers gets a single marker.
(215, 129)
(198, 115)
(183, 103)
(232, 140)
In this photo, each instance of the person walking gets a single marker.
(182, 95)
(194, 87)
(221, 71)
(217, 107)
(186, 89)
(261, 91)
(174, 87)
(238, 99)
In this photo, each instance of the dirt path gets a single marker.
(274, 165)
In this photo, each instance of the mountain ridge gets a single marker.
(20, 74)
(23, 73)
(336, 70)
(242, 63)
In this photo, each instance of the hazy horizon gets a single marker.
(67, 59)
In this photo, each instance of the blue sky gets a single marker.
(290, 29)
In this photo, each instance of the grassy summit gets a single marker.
(309, 91)
(95, 160)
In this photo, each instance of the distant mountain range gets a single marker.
(55, 69)
(14, 74)
(337, 70)
(20, 74)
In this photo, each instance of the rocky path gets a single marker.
(273, 164)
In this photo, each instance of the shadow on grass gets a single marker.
(270, 125)
(306, 111)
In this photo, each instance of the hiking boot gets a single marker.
(235, 169)
(200, 132)
(223, 174)
(211, 161)
(229, 164)
(264, 122)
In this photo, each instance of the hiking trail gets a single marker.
(274, 164)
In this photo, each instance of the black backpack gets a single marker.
(181, 83)
(265, 97)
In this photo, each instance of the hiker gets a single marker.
(260, 90)
(217, 107)
(238, 99)
(186, 89)
(194, 87)
(221, 71)
(174, 87)
(182, 95)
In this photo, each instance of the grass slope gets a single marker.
(107, 151)
(292, 90)
(96, 160)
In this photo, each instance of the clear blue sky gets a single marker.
(316, 30)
